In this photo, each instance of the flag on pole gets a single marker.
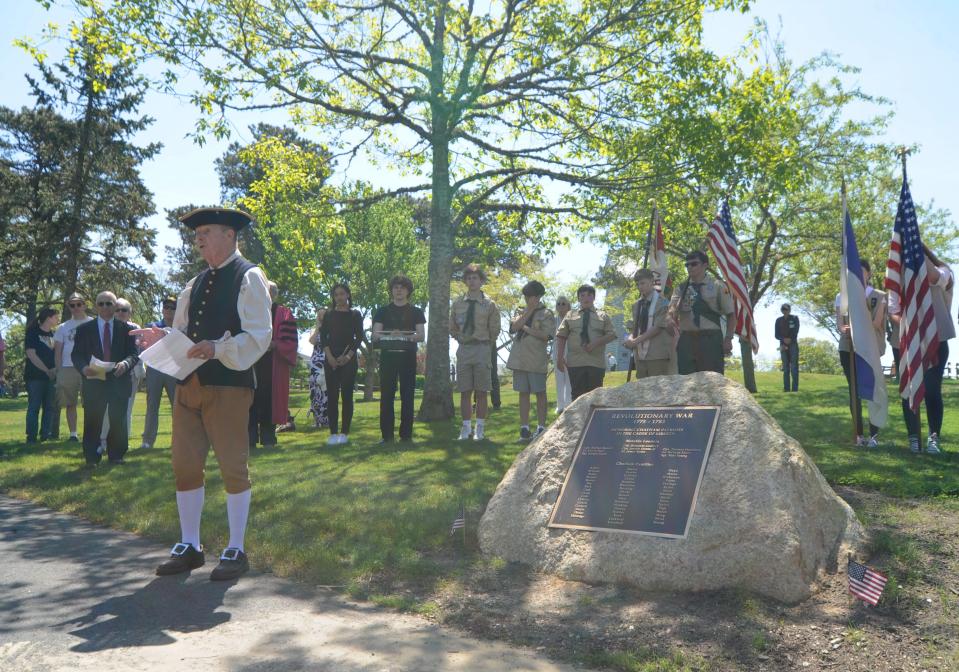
(459, 522)
(658, 263)
(870, 383)
(865, 583)
(722, 242)
(906, 277)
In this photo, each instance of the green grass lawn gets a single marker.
(345, 515)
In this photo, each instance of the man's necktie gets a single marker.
(106, 341)
(469, 326)
(584, 332)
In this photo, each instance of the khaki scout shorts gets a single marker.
(529, 381)
(69, 381)
(474, 364)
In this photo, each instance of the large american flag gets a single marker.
(722, 242)
(866, 584)
(906, 276)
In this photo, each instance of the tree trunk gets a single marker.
(437, 401)
(749, 367)
(79, 187)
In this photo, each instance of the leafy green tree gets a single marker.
(818, 356)
(97, 232)
(495, 101)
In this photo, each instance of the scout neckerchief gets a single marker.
(528, 322)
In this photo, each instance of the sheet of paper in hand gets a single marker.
(100, 368)
(168, 355)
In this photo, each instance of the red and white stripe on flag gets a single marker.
(722, 243)
(865, 583)
(906, 276)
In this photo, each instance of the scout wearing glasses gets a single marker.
(225, 311)
(697, 308)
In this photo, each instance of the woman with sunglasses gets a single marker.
(39, 372)
(563, 390)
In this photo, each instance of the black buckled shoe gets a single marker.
(183, 558)
(233, 563)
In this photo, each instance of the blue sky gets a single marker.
(907, 53)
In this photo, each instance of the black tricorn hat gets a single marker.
(235, 219)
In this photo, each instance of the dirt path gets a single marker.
(77, 597)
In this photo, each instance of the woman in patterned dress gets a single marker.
(318, 376)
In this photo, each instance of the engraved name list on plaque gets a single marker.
(637, 470)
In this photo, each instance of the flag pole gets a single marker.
(649, 242)
(854, 402)
(903, 153)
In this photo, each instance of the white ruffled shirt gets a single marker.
(241, 351)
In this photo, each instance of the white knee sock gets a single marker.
(190, 505)
(237, 511)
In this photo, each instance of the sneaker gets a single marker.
(333, 440)
(873, 441)
(525, 434)
(233, 563)
(539, 430)
(145, 446)
(74, 439)
(860, 442)
(464, 433)
(914, 445)
(183, 558)
(932, 444)
(344, 439)
(102, 448)
(478, 434)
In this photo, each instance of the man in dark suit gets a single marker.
(108, 340)
(787, 332)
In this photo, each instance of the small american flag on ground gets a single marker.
(722, 242)
(865, 583)
(459, 522)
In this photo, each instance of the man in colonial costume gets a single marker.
(225, 311)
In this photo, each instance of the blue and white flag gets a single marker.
(870, 382)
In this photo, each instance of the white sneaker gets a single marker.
(932, 445)
(145, 446)
(873, 441)
(478, 434)
(464, 433)
(334, 440)
(344, 439)
(860, 441)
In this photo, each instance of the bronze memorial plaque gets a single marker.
(637, 470)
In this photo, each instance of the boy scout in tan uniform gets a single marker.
(581, 341)
(475, 324)
(697, 308)
(652, 344)
(528, 360)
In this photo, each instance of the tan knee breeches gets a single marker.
(205, 415)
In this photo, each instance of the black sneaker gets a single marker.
(525, 434)
(233, 563)
(183, 558)
(73, 439)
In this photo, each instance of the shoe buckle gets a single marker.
(230, 554)
(179, 549)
